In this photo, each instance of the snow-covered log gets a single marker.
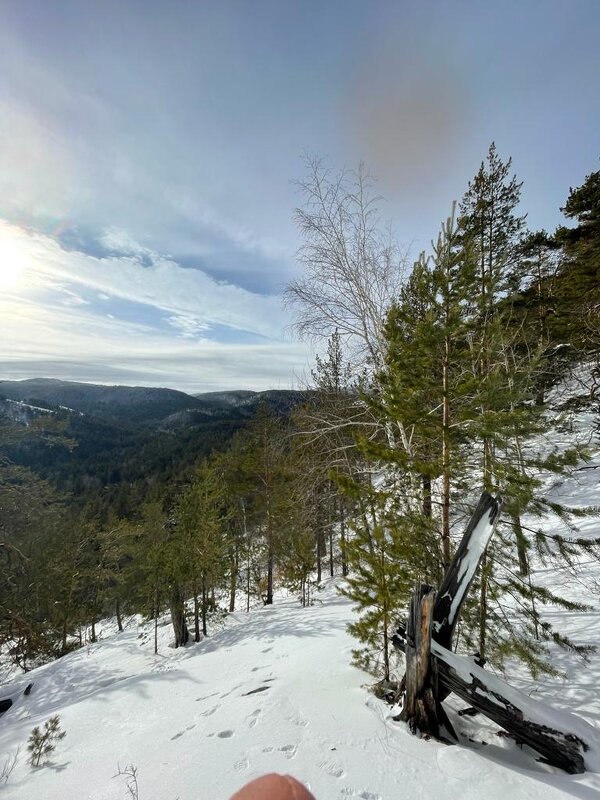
(562, 739)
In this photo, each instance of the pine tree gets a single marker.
(42, 743)
(200, 525)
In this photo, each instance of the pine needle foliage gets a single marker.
(43, 742)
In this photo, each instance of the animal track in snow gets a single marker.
(225, 734)
(241, 765)
(210, 711)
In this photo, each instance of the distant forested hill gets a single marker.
(122, 435)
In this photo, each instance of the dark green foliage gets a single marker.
(460, 400)
(42, 743)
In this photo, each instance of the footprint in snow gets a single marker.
(206, 697)
(225, 734)
(333, 769)
(241, 765)
(256, 691)
(288, 750)
(253, 718)
(210, 711)
(369, 796)
(177, 735)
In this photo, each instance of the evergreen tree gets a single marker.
(200, 525)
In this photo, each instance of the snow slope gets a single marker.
(273, 691)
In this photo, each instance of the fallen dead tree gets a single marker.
(433, 671)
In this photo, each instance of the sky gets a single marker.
(149, 153)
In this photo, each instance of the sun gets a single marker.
(13, 262)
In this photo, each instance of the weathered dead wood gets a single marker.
(461, 571)
(419, 709)
(524, 719)
(433, 671)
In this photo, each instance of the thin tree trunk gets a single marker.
(446, 457)
(196, 617)
(156, 623)
(521, 546)
(343, 539)
(483, 607)
(204, 605)
(118, 615)
(331, 550)
(270, 559)
(248, 586)
(319, 555)
(234, 565)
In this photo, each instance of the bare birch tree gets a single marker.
(352, 267)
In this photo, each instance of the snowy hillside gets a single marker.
(273, 691)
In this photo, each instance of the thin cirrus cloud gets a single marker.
(73, 315)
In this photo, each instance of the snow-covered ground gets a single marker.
(273, 691)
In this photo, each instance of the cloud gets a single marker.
(79, 316)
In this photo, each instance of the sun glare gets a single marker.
(13, 263)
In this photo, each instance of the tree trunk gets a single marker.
(319, 555)
(233, 565)
(118, 615)
(182, 635)
(204, 605)
(343, 539)
(521, 546)
(420, 709)
(270, 561)
(156, 610)
(196, 617)
(331, 550)
(446, 456)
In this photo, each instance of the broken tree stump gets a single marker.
(419, 709)
(433, 671)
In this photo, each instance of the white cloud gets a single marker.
(48, 327)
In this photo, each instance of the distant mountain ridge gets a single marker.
(135, 406)
(124, 434)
